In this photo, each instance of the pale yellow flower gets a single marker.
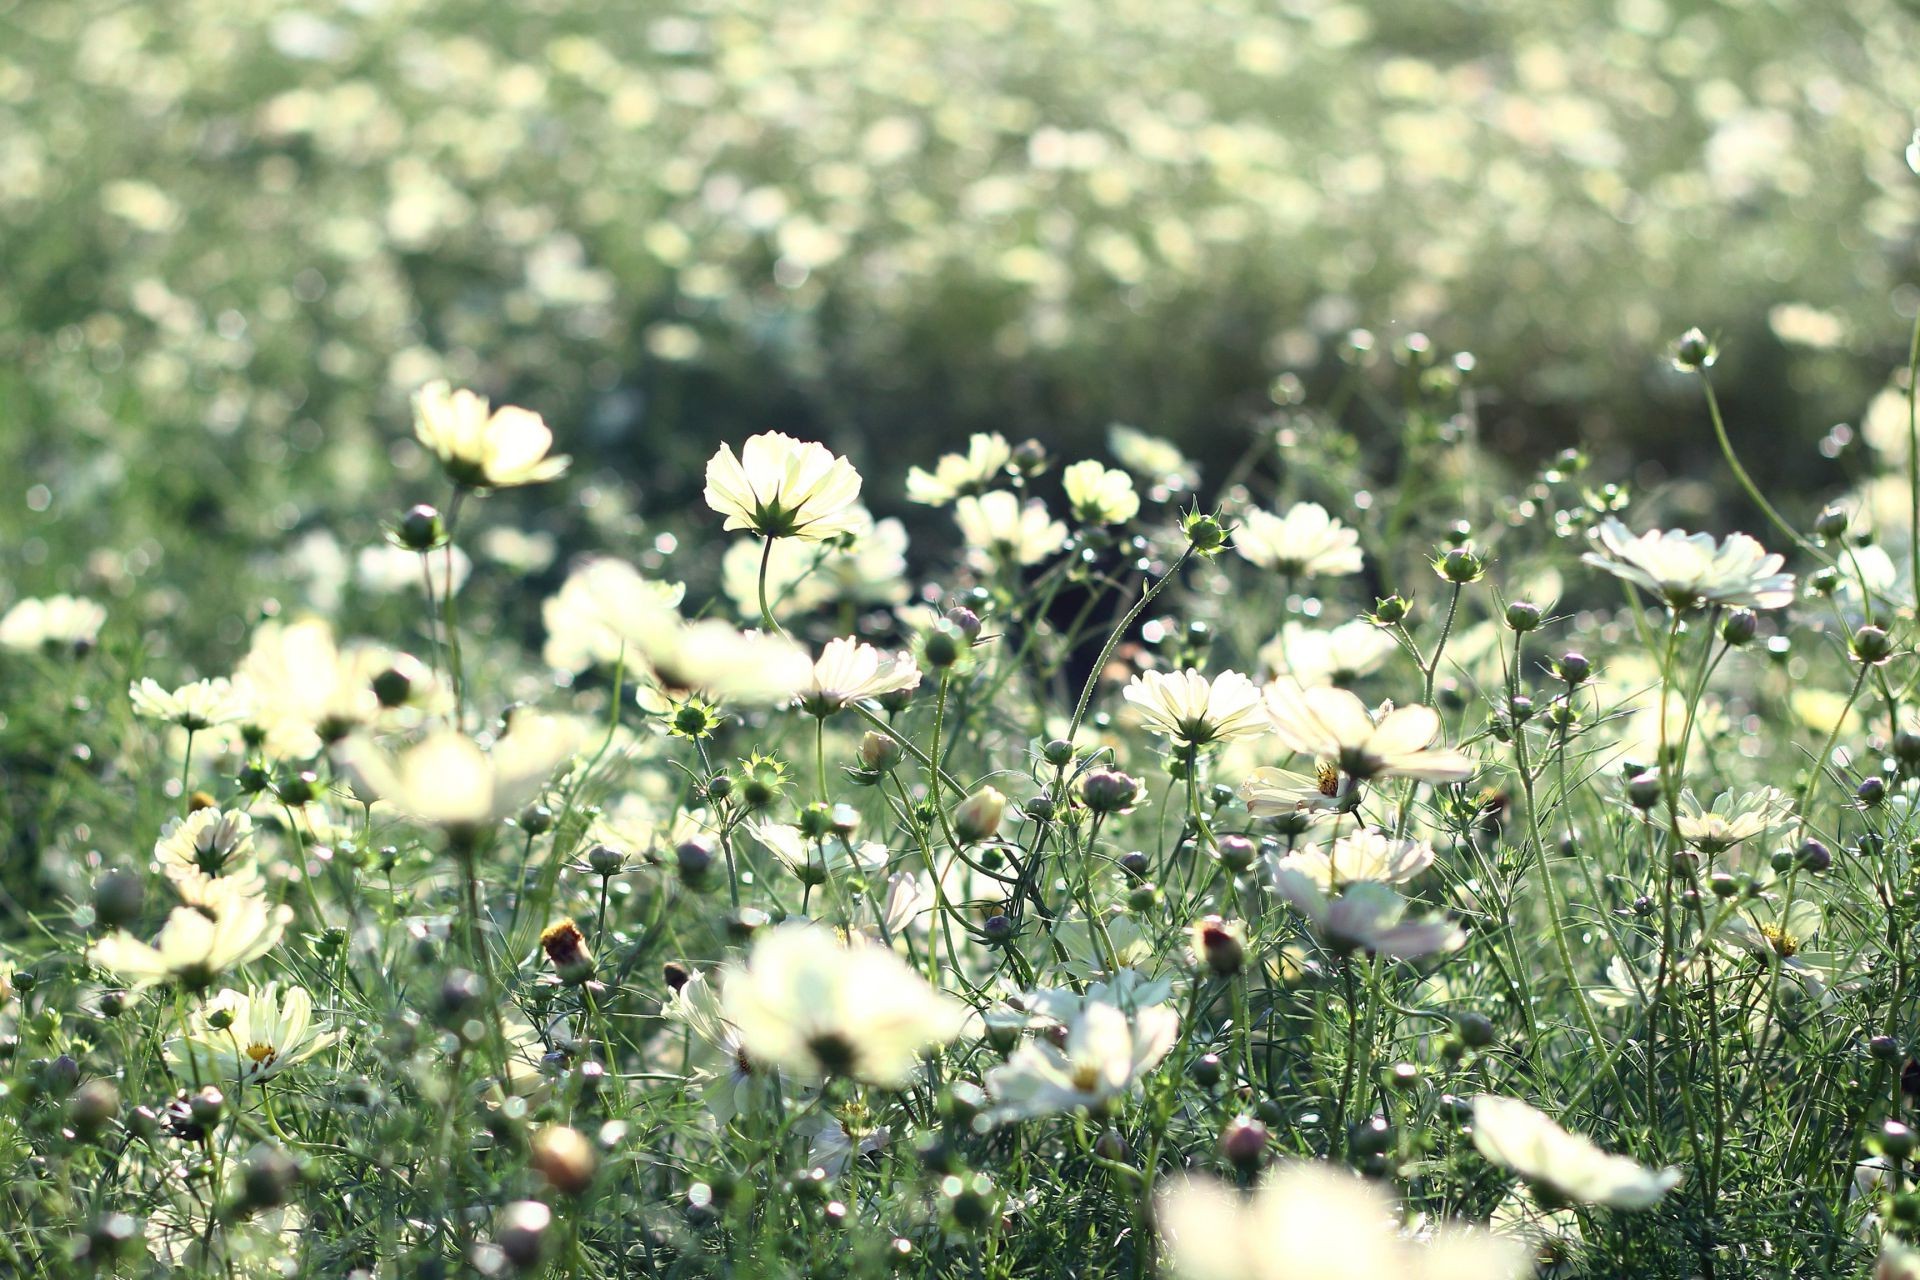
(268, 1030)
(998, 524)
(1306, 542)
(193, 947)
(1106, 1055)
(1333, 724)
(780, 487)
(480, 447)
(203, 704)
(1567, 1166)
(956, 475)
(56, 624)
(1098, 495)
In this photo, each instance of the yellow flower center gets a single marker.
(1327, 778)
(262, 1054)
(1086, 1077)
(1784, 944)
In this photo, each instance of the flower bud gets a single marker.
(998, 930)
(1831, 522)
(1109, 791)
(1206, 1070)
(1824, 582)
(1814, 856)
(879, 752)
(1391, 610)
(965, 621)
(1871, 792)
(564, 1157)
(521, 1233)
(1739, 627)
(567, 949)
(604, 860)
(1030, 457)
(1643, 790)
(693, 857)
(1205, 534)
(1573, 668)
(93, 1105)
(1884, 1049)
(1460, 566)
(118, 898)
(1523, 616)
(1872, 646)
(978, 817)
(1895, 1140)
(267, 1177)
(1692, 351)
(1243, 1143)
(942, 646)
(421, 529)
(1135, 864)
(1219, 943)
(1237, 853)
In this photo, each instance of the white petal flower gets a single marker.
(601, 606)
(1732, 818)
(998, 525)
(958, 475)
(1367, 916)
(810, 1005)
(1567, 1167)
(480, 447)
(267, 1030)
(866, 565)
(56, 624)
(1306, 542)
(1097, 495)
(1106, 1055)
(1369, 854)
(1688, 570)
(1195, 711)
(850, 671)
(1333, 724)
(203, 704)
(447, 780)
(780, 487)
(1311, 656)
(194, 947)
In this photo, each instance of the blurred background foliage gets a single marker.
(234, 235)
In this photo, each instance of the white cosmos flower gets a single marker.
(850, 671)
(203, 704)
(1306, 542)
(1312, 656)
(306, 689)
(832, 856)
(1566, 1167)
(780, 487)
(447, 780)
(957, 475)
(1333, 724)
(269, 1030)
(480, 447)
(601, 606)
(389, 570)
(1368, 854)
(1270, 792)
(1000, 526)
(719, 661)
(810, 1005)
(1314, 1222)
(1150, 457)
(1106, 1055)
(1731, 818)
(55, 624)
(1193, 710)
(193, 947)
(1097, 495)
(1366, 916)
(1688, 570)
(206, 854)
(866, 566)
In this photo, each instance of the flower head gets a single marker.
(958, 475)
(195, 946)
(203, 704)
(480, 447)
(1565, 1167)
(1731, 818)
(1106, 1055)
(1313, 656)
(1367, 916)
(56, 624)
(1306, 542)
(448, 781)
(1098, 495)
(849, 671)
(1196, 711)
(1365, 855)
(780, 487)
(1688, 570)
(999, 525)
(248, 1036)
(1333, 724)
(810, 1005)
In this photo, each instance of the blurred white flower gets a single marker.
(265, 1031)
(203, 704)
(715, 659)
(1731, 818)
(1313, 656)
(1270, 792)
(780, 487)
(389, 570)
(867, 565)
(1306, 542)
(193, 947)
(1000, 526)
(1368, 854)
(1689, 570)
(1333, 724)
(601, 606)
(808, 1004)
(1150, 457)
(1567, 1168)
(1097, 495)
(1365, 916)
(480, 447)
(957, 475)
(447, 780)
(1195, 711)
(851, 671)
(51, 625)
(1315, 1222)
(1106, 1055)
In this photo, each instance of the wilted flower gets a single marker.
(1097, 495)
(55, 624)
(480, 447)
(958, 475)
(850, 671)
(203, 704)
(1000, 525)
(567, 951)
(1333, 724)
(1565, 1168)
(1306, 542)
(1688, 570)
(193, 947)
(780, 487)
(1196, 711)
(1313, 1222)
(807, 1003)
(249, 1036)
(1367, 916)
(1106, 1055)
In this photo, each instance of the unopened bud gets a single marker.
(564, 1157)
(978, 817)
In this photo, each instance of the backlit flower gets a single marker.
(999, 525)
(1106, 1055)
(54, 625)
(1099, 495)
(1333, 724)
(203, 704)
(447, 780)
(1566, 1168)
(1195, 711)
(265, 1031)
(1369, 854)
(808, 1004)
(1367, 916)
(1731, 818)
(957, 475)
(480, 447)
(1312, 656)
(849, 671)
(193, 947)
(1689, 570)
(598, 610)
(780, 487)
(1306, 542)
(866, 565)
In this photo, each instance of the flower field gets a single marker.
(847, 644)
